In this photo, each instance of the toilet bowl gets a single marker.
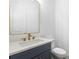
(59, 53)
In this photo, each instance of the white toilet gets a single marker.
(59, 53)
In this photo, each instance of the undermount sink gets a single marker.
(30, 42)
(20, 46)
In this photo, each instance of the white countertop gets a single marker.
(19, 46)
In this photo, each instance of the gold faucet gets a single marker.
(29, 35)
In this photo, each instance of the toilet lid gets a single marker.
(59, 51)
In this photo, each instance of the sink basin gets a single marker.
(20, 46)
(30, 42)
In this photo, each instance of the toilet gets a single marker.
(59, 53)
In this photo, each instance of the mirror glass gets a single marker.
(24, 16)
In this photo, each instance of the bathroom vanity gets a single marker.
(25, 19)
(39, 50)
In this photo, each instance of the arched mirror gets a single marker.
(24, 16)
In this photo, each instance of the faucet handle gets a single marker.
(24, 39)
(33, 37)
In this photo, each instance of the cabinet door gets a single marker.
(35, 57)
(45, 55)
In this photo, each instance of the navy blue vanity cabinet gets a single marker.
(40, 52)
(45, 55)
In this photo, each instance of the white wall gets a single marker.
(61, 24)
(46, 17)
(54, 21)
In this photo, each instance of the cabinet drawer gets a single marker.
(32, 52)
(45, 55)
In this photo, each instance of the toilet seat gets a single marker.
(59, 52)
